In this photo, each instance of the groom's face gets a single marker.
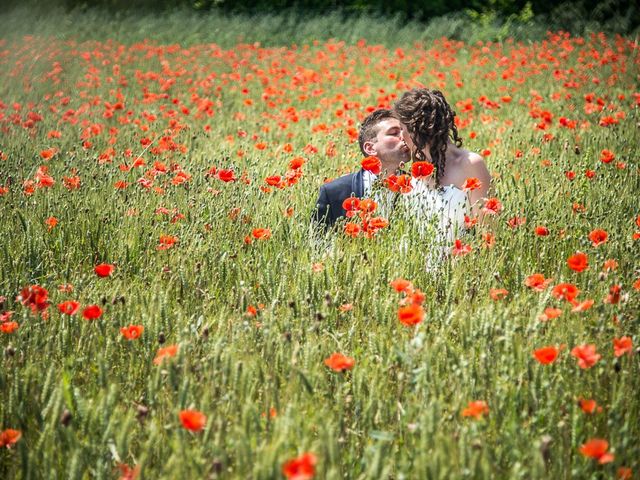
(388, 145)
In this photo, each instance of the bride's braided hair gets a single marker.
(430, 121)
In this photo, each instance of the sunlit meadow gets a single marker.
(165, 312)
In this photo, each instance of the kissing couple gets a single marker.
(447, 182)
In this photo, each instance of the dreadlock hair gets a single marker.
(368, 128)
(430, 121)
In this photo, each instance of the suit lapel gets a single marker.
(357, 184)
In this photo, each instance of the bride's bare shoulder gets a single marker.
(462, 164)
(462, 158)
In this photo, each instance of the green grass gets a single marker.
(85, 399)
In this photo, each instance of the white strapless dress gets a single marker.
(438, 215)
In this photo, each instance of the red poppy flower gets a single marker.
(274, 181)
(51, 222)
(351, 205)
(352, 229)
(372, 164)
(165, 352)
(399, 183)
(339, 362)
(132, 332)
(128, 473)
(586, 355)
(401, 285)
(70, 307)
(546, 355)
(492, 206)
(377, 223)
(607, 156)
(296, 163)
(261, 233)
(515, 222)
(417, 297)
(498, 293)
(596, 448)
(589, 406)
(582, 306)
(622, 345)
(421, 169)
(549, 314)
(614, 295)
(104, 270)
(35, 297)
(92, 312)
(410, 315)
(625, 473)
(300, 468)
(489, 240)
(469, 222)
(48, 153)
(367, 205)
(165, 242)
(193, 420)
(226, 175)
(9, 437)
(471, 184)
(565, 291)
(9, 327)
(460, 249)
(598, 237)
(476, 409)
(345, 307)
(541, 231)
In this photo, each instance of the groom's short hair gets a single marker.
(368, 128)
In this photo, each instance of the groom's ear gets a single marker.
(369, 148)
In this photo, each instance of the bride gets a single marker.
(460, 179)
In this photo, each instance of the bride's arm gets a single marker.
(476, 167)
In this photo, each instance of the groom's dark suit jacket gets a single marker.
(329, 204)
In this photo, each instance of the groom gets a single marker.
(380, 136)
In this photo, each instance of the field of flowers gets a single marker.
(164, 312)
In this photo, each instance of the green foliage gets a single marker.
(86, 399)
(512, 16)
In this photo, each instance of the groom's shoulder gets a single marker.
(340, 182)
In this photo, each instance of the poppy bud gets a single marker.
(545, 451)
(327, 299)
(576, 150)
(216, 466)
(65, 418)
(161, 338)
(141, 413)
